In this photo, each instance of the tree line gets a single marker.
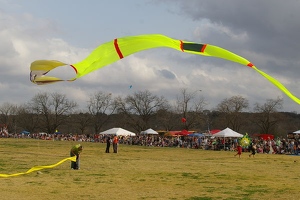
(142, 110)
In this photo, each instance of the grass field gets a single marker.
(137, 172)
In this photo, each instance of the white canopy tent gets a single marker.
(297, 132)
(149, 132)
(118, 131)
(227, 132)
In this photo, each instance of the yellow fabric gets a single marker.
(278, 84)
(107, 53)
(39, 68)
(37, 168)
(45, 65)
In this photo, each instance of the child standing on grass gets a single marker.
(253, 150)
(239, 150)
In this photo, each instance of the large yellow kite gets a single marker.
(119, 48)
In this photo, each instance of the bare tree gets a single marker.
(27, 119)
(8, 114)
(191, 108)
(140, 107)
(81, 121)
(167, 118)
(231, 110)
(267, 117)
(53, 109)
(101, 105)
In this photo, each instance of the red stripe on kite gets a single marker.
(250, 64)
(203, 48)
(74, 68)
(118, 49)
(181, 46)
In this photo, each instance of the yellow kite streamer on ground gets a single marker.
(119, 48)
(36, 168)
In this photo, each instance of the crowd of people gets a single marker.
(268, 146)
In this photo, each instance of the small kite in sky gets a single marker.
(112, 51)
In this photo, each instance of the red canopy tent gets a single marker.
(214, 131)
(264, 136)
(182, 133)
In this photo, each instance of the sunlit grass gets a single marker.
(144, 173)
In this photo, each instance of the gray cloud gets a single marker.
(167, 74)
(272, 26)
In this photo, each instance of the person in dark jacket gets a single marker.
(253, 150)
(108, 141)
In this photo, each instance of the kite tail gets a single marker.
(37, 168)
(278, 84)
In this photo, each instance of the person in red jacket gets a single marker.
(115, 144)
(239, 150)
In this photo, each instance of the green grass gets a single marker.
(144, 173)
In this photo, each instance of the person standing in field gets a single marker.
(253, 150)
(239, 150)
(115, 144)
(108, 141)
(75, 151)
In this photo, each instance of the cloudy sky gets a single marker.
(265, 32)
